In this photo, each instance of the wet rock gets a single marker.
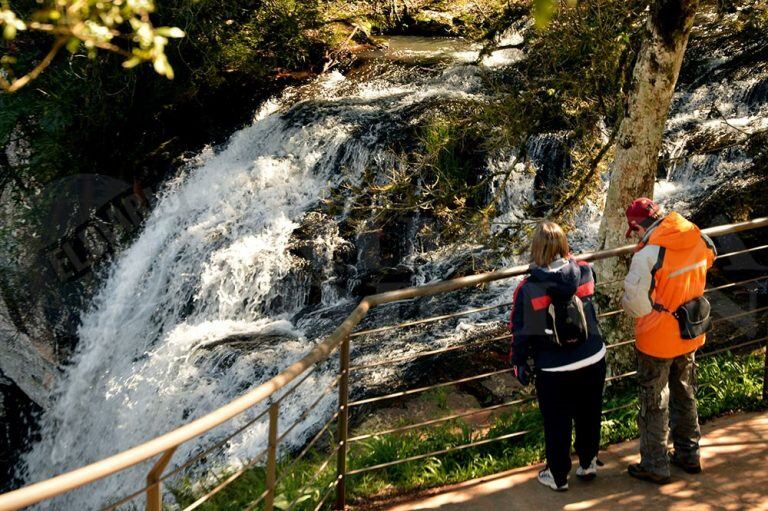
(502, 386)
(385, 279)
(323, 258)
(549, 154)
(446, 18)
(431, 22)
(248, 341)
(758, 94)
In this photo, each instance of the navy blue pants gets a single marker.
(571, 399)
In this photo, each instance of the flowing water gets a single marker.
(214, 262)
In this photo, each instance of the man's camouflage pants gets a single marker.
(667, 405)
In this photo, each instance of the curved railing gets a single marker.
(164, 446)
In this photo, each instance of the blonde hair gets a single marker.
(549, 244)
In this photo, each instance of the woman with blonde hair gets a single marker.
(554, 322)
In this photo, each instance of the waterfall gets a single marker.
(213, 262)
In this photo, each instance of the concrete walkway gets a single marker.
(735, 477)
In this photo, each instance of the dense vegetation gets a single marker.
(91, 116)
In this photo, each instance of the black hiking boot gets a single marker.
(638, 472)
(690, 468)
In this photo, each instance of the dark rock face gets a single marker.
(323, 258)
(758, 94)
(17, 429)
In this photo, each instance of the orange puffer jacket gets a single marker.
(669, 268)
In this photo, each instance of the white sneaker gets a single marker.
(588, 473)
(547, 479)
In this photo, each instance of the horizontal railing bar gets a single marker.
(309, 409)
(440, 420)
(57, 485)
(739, 315)
(229, 480)
(311, 443)
(485, 375)
(490, 307)
(633, 341)
(423, 389)
(617, 344)
(620, 376)
(258, 500)
(429, 320)
(734, 284)
(328, 493)
(457, 347)
(745, 251)
(435, 453)
(617, 408)
(495, 407)
(438, 453)
(316, 475)
(422, 354)
(735, 346)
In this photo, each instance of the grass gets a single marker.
(727, 384)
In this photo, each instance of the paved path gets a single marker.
(735, 477)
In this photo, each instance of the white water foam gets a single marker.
(213, 262)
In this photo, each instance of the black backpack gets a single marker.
(568, 322)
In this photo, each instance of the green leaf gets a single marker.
(9, 32)
(73, 44)
(174, 32)
(132, 62)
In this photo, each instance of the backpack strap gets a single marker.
(660, 308)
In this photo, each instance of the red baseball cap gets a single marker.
(640, 210)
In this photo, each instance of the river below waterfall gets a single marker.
(216, 260)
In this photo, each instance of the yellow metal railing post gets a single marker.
(269, 501)
(154, 490)
(343, 429)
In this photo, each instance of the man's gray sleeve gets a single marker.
(639, 281)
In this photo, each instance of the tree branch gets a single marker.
(584, 182)
(34, 73)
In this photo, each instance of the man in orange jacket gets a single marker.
(669, 268)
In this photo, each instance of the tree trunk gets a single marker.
(640, 133)
(637, 150)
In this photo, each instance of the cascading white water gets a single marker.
(210, 263)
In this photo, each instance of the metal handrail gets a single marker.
(458, 347)
(422, 354)
(515, 434)
(165, 444)
(443, 317)
(480, 411)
